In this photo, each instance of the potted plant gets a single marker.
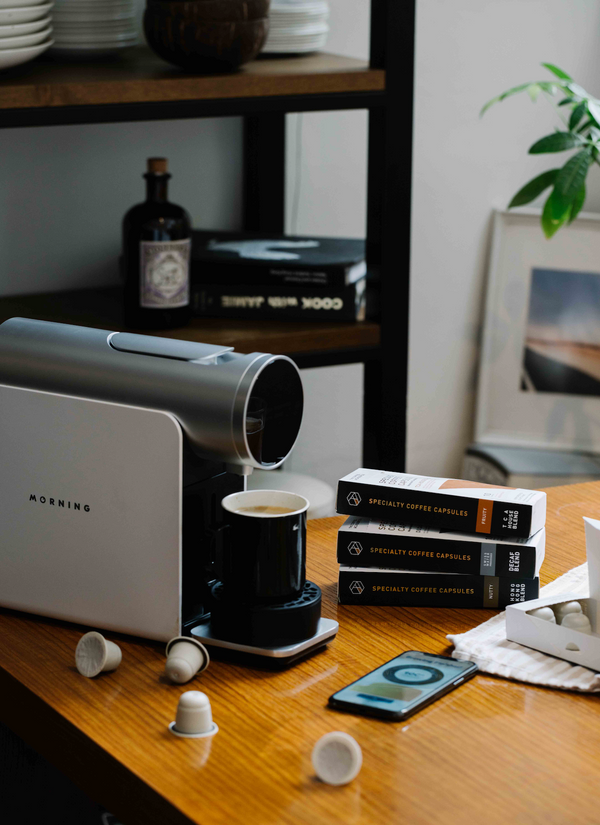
(580, 114)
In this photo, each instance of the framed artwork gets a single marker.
(539, 377)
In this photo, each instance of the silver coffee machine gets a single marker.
(116, 450)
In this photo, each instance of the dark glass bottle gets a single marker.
(156, 257)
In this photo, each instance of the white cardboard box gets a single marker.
(565, 643)
(551, 638)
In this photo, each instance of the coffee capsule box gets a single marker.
(447, 503)
(363, 542)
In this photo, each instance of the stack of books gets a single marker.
(437, 542)
(252, 275)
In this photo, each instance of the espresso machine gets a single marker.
(116, 450)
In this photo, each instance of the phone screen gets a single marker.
(404, 683)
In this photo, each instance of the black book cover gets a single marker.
(285, 302)
(450, 504)
(274, 260)
(370, 586)
(368, 543)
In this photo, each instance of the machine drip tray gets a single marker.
(274, 657)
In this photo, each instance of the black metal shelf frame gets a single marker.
(388, 223)
(388, 201)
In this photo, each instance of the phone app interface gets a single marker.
(403, 682)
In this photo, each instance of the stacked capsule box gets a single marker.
(422, 541)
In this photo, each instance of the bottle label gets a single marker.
(165, 274)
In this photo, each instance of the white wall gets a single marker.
(64, 191)
(326, 195)
(467, 52)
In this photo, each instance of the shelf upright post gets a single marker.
(264, 172)
(388, 233)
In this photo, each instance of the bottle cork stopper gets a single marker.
(158, 166)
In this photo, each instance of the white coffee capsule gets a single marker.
(194, 716)
(577, 621)
(94, 654)
(545, 613)
(562, 610)
(185, 658)
(337, 758)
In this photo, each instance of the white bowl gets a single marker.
(25, 40)
(65, 5)
(97, 9)
(75, 8)
(13, 4)
(25, 28)
(107, 25)
(83, 52)
(14, 57)
(9, 17)
(93, 40)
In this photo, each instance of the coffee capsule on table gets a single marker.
(94, 655)
(337, 758)
(185, 658)
(194, 716)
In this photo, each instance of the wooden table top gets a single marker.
(491, 751)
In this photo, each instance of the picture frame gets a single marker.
(539, 371)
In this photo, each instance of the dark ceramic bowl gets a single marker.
(217, 10)
(204, 46)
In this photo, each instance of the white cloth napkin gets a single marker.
(488, 647)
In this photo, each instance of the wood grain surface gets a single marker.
(102, 308)
(493, 751)
(140, 76)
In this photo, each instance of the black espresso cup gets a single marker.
(264, 557)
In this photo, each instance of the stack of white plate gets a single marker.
(25, 31)
(87, 28)
(297, 26)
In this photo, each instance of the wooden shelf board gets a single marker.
(102, 308)
(142, 77)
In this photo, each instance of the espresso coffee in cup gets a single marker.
(266, 509)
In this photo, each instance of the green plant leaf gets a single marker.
(594, 109)
(558, 142)
(576, 115)
(515, 90)
(594, 133)
(555, 70)
(589, 122)
(577, 204)
(577, 91)
(565, 101)
(534, 91)
(569, 181)
(534, 188)
(546, 86)
(551, 224)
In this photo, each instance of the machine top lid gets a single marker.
(166, 347)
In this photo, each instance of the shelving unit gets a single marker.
(141, 87)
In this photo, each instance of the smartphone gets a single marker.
(403, 685)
